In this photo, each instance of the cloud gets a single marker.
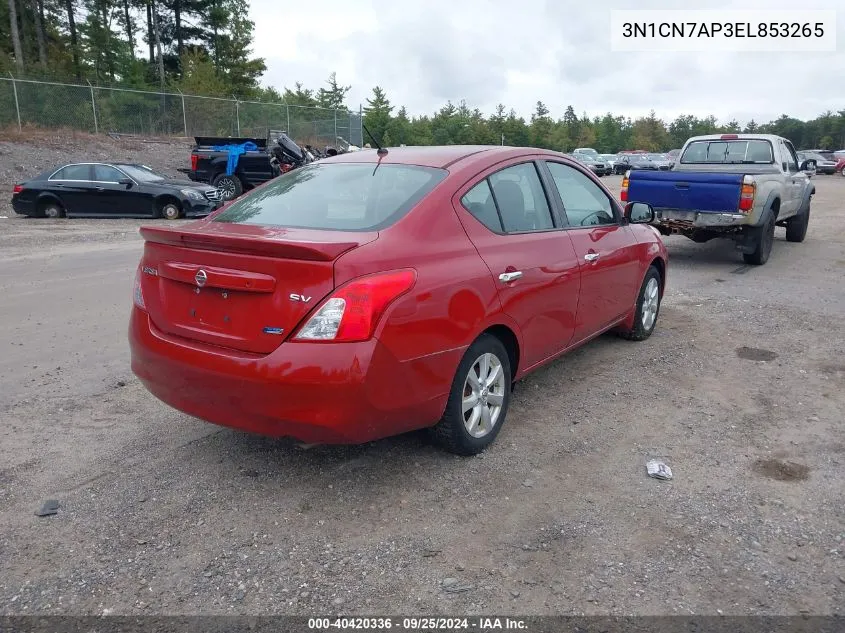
(557, 51)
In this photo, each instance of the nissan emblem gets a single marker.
(200, 278)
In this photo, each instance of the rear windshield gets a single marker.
(336, 196)
(718, 151)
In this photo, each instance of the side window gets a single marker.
(791, 158)
(106, 173)
(73, 172)
(479, 202)
(521, 199)
(584, 202)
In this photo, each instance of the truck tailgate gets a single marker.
(708, 192)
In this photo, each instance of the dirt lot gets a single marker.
(741, 390)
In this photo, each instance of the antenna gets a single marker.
(381, 150)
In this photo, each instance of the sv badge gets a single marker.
(300, 298)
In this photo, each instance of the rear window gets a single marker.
(718, 151)
(336, 196)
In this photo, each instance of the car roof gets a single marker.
(440, 156)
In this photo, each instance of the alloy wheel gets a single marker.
(483, 395)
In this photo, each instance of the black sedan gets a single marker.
(105, 190)
(633, 161)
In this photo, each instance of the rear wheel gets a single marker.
(230, 187)
(479, 398)
(51, 209)
(648, 307)
(796, 227)
(763, 238)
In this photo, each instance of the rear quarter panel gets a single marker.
(453, 300)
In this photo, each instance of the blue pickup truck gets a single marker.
(735, 186)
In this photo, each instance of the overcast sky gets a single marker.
(425, 52)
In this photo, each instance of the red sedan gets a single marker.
(378, 292)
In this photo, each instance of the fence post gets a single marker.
(184, 115)
(17, 105)
(334, 140)
(238, 115)
(93, 108)
(287, 112)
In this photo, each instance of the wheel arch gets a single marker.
(511, 342)
(165, 198)
(48, 197)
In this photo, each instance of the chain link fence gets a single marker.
(101, 110)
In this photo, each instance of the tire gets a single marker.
(796, 227)
(842, 172)
(51, 209)
(764, 237)
(230, 187)
(470, 432)
(648, 307)
(170, 211)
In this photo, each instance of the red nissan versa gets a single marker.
(378, 292)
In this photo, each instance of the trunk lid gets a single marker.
(687, 190)
(243, 287)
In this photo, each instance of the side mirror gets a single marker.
(808, 165)
(639, 213)
(127, 182)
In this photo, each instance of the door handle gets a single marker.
(508, 277)
(99, 188)
(591, 257)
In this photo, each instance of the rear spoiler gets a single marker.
(249, 245)
(211, 141)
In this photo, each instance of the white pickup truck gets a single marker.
(737, 186)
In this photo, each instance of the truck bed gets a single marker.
(706, 192)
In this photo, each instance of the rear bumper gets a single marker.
(681, 219)
(335, 393)
(23, 207)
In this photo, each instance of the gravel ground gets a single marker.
(740, 390)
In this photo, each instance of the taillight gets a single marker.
(353, 311)
(137, 294)
(623, 196)
(195, 161)
(746, 195)
(17, 189)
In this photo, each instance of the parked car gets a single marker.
(825, 163)
(839, 154)
(588, 151)
(661, 161)
(629, 162)
(598, 167)
(105, 190)
(311, 308)
(609, 160)
(840, 167)
(731, 186)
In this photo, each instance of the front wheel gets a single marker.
(842, 172)
(796, 226)
(763, 238)
(479, 398)
(648, 307)
(171, 211)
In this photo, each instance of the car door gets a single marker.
(796, 181)
(72, 184)
(114, 199)
(506, 213)
(605, 247)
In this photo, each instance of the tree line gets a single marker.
(458, 124)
